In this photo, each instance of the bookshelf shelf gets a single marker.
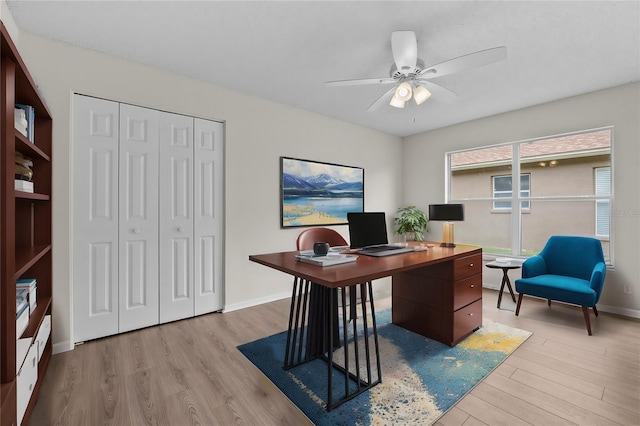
(28, 257)
(25, 235)
(43, 306)
(31, 196)
(28, 148)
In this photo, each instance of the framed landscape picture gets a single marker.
(315, 193)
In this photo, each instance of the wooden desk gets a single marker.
(436, 293)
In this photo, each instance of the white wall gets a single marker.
(258, 132)
(9, 23)
(424, 174)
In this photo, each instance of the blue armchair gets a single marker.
(568, 269)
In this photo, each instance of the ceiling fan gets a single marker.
(412, 78)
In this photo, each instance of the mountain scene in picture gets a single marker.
(316, 193)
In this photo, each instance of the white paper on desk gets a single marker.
(335, 259)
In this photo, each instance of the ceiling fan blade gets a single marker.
(405, 50)
(386, 96)
(438, 91)
(359, 82)
(472, 60)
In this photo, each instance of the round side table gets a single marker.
(505, 266)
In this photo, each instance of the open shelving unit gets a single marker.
(25, 240)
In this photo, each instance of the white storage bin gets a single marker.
(22, 349)
(26, 381)
(22, 321)
(43, 335)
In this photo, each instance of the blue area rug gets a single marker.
(421, 378)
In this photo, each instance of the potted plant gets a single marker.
(411, 222)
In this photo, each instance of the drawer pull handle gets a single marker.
(471, 314)
(471, 265)
(472, 286)
(30, 387)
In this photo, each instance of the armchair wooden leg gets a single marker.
(595, 311)
(585, 311)
(519, 302)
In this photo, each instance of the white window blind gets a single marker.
(603, 207)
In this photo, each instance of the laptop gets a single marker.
(368, 232)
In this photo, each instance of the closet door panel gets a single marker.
(208, 187)
(95, 218)
(138, 230)
(176, 217)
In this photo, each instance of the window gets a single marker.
(564, 188)
(502, 188)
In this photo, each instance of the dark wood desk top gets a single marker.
(365, 268)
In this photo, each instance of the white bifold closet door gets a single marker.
(208, 187)
(95, 218)
(147, 217)
(190, 216)
(138, 219)
(176, 217)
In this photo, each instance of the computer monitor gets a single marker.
(367, 229)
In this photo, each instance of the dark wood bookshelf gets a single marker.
(25, 232)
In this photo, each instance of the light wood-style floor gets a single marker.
(190, 373)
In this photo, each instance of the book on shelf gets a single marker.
(327, 260)
(29, 286)
(20, 121)
(30, 115)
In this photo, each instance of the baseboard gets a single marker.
(492, 286)
(60, 347)
(256, 302)
(625, 312)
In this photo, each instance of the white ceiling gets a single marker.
(285, 51)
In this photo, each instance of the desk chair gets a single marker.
(568, 269)
(308, 237)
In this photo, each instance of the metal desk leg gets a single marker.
(314, 332)
(354, 382)
(307, 335)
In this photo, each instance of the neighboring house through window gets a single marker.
(561, 184)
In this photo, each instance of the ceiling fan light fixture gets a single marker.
(421, 94)
(403, 92)
(397, 102)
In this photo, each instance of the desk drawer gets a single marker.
(466, 320)
(467, 291)
(467, 266)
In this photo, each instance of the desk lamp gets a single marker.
(448, 213)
